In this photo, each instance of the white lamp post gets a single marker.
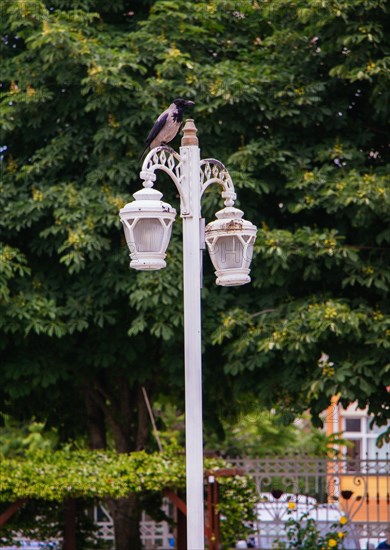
(147, 224)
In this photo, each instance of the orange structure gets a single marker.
(360, 481)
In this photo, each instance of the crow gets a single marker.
(167, 125)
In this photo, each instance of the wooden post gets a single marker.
(181, 511)
(5, 516)
(181, 532)
(212, 513)
(212, 530)
(70, 524)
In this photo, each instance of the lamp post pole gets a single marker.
(147, 223)
(190, 155)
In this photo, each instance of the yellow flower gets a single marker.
(89, 222)
(330, 313)
(12, 166)
(377, 315)
(210, 8)
(30, 91)
(14, 88)
(307, 176)
(112, 122)
(75, 237)
(291, 505)
(330, 242)
(174, 52)
(215, 86)
(46, 27)
(117, 202)
(341, 535)
(368, 178)
(332, 543)
(7, 253)
(94, 69)
(37, 195)
(343, 520)
(309, 199)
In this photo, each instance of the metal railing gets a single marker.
(324, 488)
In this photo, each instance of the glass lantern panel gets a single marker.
(249, 252)
(129, 238)
(229, 252)
(148, 235)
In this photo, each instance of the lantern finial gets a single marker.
(189, 134)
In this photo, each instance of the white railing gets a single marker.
(325, 489)
(154, 535)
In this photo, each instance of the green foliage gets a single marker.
(17, 439)
(322, 251)
(65, 474)
(304, 534)
(36, 519)
(44, 520)
(238, 497)
(259, 433)
(171, 424)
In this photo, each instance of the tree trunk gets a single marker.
(127, 416)
(143, 421)
(95, 422)
(70, 524)
(126, 516)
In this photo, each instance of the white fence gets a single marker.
(154, 535)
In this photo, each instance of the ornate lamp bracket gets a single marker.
(213, 171)
(166, 159)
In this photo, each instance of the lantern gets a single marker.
(230, 242)
(147, 223)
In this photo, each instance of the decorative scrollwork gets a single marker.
(213, 171)
(166, 159)
(353, 500)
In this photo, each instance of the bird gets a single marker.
(167, 125)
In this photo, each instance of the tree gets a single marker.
(263, 433)
(318, 144)
(293, 97)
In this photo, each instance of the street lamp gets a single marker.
(147, 223)
(230, 242)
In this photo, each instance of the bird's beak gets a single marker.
(190, 103)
